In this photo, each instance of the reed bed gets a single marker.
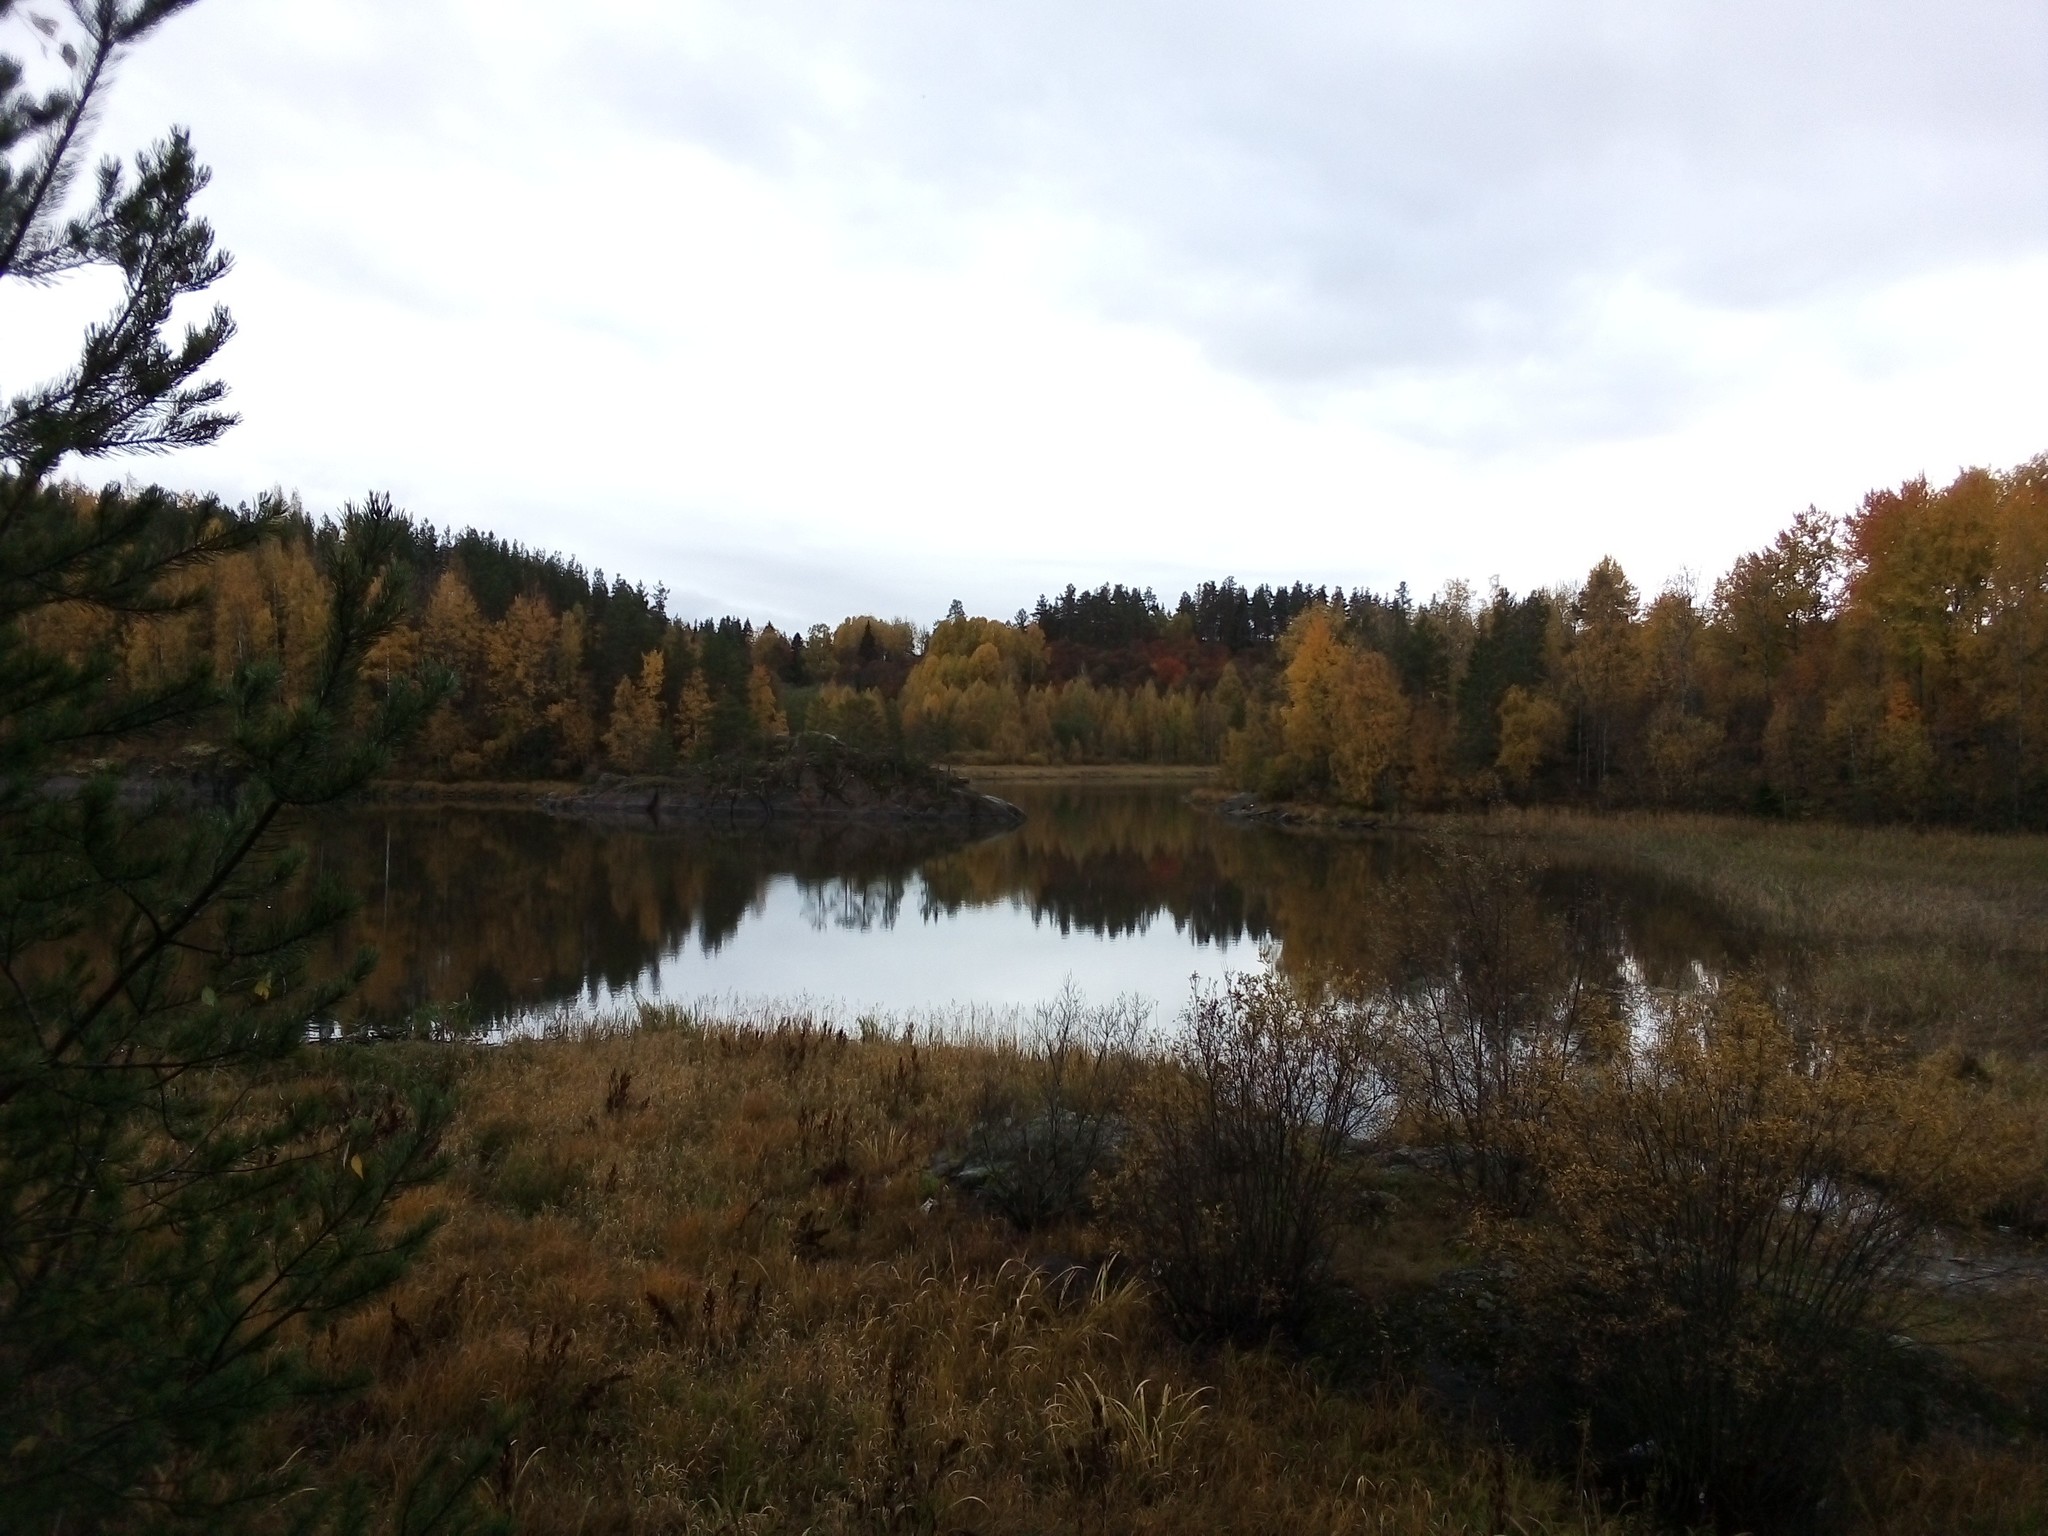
(1819, 882)
(1936, 935)
(702, 1273)
(698, 1275)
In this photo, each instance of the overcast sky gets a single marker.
(852, 305)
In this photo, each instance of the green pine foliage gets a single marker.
(186, 1199)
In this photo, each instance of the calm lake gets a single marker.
(519, 916)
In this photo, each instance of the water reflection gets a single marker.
(1123, 889)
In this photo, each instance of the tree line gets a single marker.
(1887, 664)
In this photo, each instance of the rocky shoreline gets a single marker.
(1249, 808)
(818, 778)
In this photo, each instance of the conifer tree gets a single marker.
(182, 1194)
(693, 717)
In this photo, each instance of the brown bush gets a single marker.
(1231, 1190)
(1735, 1213)
(1499, 1008)
(1045, 1129)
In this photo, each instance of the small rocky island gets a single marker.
(814, 777)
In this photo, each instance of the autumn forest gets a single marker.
(1890, 664)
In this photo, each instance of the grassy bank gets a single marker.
(1817, 882)
(708, 1278)
(702, 1277)
(1939, 934)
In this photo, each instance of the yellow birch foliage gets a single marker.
(693, 716)
(1532, 730)
(633, 740)
(763, 706)
(1345, 719)
(1372, 723)
(1308, 721)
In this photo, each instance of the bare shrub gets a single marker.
(1045, 1132)
(1499, 1008)
(1231, 1193)
(1736, 1213)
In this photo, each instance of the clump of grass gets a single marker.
(1050, 1119)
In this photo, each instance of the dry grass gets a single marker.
(699, 1276)
(1822, 883)
(706, 1275)
(1938, 935)
(1954, 1487)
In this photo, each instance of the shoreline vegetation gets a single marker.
(992, 776)
(1140, 775)
(1816, 881)
(488, 793)
(763, 1273)
(1939, 934)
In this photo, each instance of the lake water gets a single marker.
(517, 916)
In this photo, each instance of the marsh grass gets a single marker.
(1936, 934)
(699, 1276)
(1821, 883)
(703, 1273)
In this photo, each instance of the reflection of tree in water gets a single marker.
(514, 910)
(517, 910)
(1109, 863)
(853, 904)
(1112, 863)
(1670, 934)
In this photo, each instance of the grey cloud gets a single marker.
(1320, 194)
(1332, 195)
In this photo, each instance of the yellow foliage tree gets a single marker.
(764, 707)
(858, 717)
(1676, 746)
(864, 638)
(633, 741)
(1345, 718)
(537, 716)
(693, 716)
(1316, 656)
(1372, 722)
(1531, 733)
(1903, 751)
(454, 630)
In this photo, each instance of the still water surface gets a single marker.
(518, 915)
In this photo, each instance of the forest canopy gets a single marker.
(1887, 664)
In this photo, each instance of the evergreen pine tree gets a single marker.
(185, 1196)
